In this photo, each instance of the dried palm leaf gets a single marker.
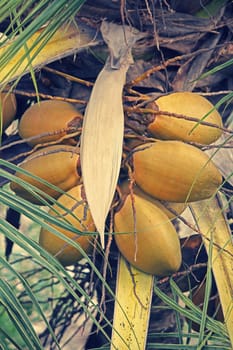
(103, 129)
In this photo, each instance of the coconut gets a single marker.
(190, 105)
(52, 118)
(146, 237)
(55, 164)
(175, 171)
(76, 214)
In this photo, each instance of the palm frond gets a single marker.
(30, 33)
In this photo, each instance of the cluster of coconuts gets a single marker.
(50, 124)
(169, 173)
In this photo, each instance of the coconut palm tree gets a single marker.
(55, 50)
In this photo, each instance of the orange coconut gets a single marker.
(174, 171)
(49, 116)
(191, 105)
(8, 107)
(55, 164)
(146, 237)
(81, 220)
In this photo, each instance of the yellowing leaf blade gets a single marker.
(132, 307)
(66, 40)
(217, 239)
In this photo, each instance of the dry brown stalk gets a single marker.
(164, 65)
(68, 76)
(176, 115)
(46, 96)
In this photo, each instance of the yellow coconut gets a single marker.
(49, 116)
(8, 107)
(56, 164)
(171, 209)
(188, 104)
(175, 171)
(147, 240)
(81, 220)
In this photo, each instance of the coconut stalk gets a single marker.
(217, 238)
(103, 127)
